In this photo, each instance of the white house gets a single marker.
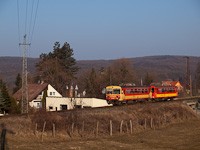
(54, 100)
(36, 92)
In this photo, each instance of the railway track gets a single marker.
(193, 98)
(191, 101)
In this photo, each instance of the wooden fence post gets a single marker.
(83, 126)
(72, 128)
(165, 118)
(54, 130)
(127, 127)
(43, 129)
(110, 127)
(35, 132)
(121, 127)
(97, 128)
(151, 122)
(131, 126)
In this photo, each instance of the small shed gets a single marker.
(65, 103)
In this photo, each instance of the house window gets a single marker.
(50, 107)
(63, 107)
(38, 105)
(52, 93)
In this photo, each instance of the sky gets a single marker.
(101, 29)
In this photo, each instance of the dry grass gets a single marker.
(84, 124)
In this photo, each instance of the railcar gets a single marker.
(163, 92)
(126, 94)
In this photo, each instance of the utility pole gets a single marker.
(191, 86)
(24, 100)
(188, 76)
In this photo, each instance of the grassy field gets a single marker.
(155, 126)
(184, 135)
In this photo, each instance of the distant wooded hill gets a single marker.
(160, 67)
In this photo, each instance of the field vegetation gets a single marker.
(170, 125)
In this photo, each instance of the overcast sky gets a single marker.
(102, 29)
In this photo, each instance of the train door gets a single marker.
(152, 92)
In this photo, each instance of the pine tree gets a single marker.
(148, 79)
(2, 102)
(44, 99)
(18, 83)
(5, 98)
(197, 76)
(58, 67)
(91, 85)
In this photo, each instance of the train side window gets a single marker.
(152, 90)
(132, 91)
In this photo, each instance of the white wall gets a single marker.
(91, 102)
(51, 92)
(56, 103)
(36, 103)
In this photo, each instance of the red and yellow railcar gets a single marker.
(163, 92)
(125, 94)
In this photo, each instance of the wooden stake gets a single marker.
(54, 130)
(110, 127)
(83, 126)
(121, 126)
(131, 126)
(35, 129)
(72, 128)
(43, 129)
(145, 123)
(126, 127)
(151, 122)
(97, 128)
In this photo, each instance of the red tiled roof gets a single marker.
(173, 83)
(170, 83)
(33, 91)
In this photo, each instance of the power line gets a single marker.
(18, 20)
(26, 17)
(31, 18)
(31, 35)
(24, 98)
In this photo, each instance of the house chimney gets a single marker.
(71, 91)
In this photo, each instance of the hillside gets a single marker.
(161, 67)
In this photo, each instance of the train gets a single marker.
(126, 94)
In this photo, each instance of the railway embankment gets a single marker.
(109, 121)
(142, 125)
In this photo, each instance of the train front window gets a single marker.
(116, 91)
(109, 91)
